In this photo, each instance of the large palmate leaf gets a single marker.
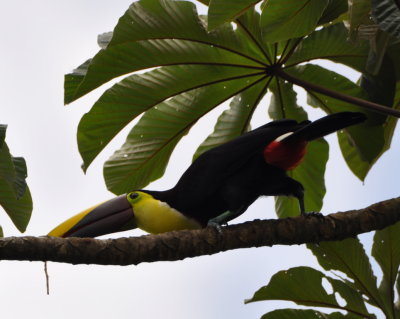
(311, 171)
(150, 143)
(290, 285)
(202, 59)
(349, 257)
(283, 20)
(153, 33)
(303, 285)
(127, 99)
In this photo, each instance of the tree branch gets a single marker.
(191, 243)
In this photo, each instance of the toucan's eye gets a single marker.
(133, 195)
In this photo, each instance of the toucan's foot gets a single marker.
(313, 214)
(215, 225)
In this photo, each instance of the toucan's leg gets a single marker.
(291, 187)
(300, 196)
(224, 218)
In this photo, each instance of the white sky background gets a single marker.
(40, 42)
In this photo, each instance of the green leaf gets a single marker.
(330, 43)
(349, 257)
(373, 134)
(221, 11)
(381, 88)
(146, 152)
(119, 60)
(311, 171)
(234, 121)
(283, 20)
(303, 285)
(3, 129)
(1, 232)
(334, 9)
(300, 314)
(386, 251)
(21, 175)
(134, 95)
(14, 193)
(104, 39)
(289, 285)
(249, 28)
(361, 144)
(387, 14)
(394, 52)
(390, 125)
(153, 33)
(354, 302)
(359, 14)
(7, 169)
(284, 102)
(377, 52)
(19, 210)
(73, 80)
(13, 171)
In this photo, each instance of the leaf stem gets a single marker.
(379, 108)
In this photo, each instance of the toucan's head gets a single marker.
(137, 209)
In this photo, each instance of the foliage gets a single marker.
(240, 62)
(15, 197)
(355, 284)
(179, 65)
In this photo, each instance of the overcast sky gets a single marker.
(43, 40)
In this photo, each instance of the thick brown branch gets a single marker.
(183, 244)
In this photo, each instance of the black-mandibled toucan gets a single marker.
(218, 186)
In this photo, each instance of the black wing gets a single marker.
(210, 171)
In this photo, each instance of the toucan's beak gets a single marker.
(109, 217)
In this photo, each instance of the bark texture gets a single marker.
(182, 244)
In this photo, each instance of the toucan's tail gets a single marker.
(326, 125)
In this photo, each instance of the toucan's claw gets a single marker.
(313, 214)
(215, 225)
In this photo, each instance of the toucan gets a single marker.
(218, 186)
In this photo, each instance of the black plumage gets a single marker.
(232, 176)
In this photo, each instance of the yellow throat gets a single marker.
(154, 216)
